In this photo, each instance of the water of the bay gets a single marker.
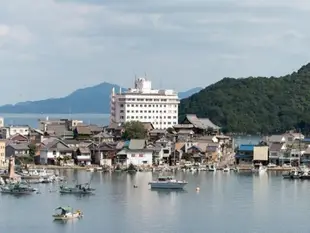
(226, 203)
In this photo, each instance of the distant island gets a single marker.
(95, 99)
(255, 104)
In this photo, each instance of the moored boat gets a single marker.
(167, 182)
(67, 213)
(78, 189)
(17, 188)
(212, 168)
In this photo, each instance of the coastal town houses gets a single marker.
(2, 153)
(305, 158)
(53, 149)
(17, 138)
(104, 153)
(136, 153)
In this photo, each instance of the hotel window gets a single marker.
(132, 105)
(145, 105)
(141, 105)
(132, 111)
(150, 105)
(132, 117)
(174, 117)
(141, 111)
(122, 111)
(122, 117)
(122, 105)
(137, 105)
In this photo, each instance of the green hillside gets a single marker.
(255, 104)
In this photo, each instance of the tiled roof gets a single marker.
(19, 146)
(83, 130)
(276, 147)
(201, 123)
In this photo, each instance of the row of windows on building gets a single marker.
(149, 111)
(150, 105)
(140, 99)
(149, 117)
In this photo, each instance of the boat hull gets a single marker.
(170, 185)
(67, 216)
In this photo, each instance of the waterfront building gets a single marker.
(11, 130)
(1, 122)
(142, 103)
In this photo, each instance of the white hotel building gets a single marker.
(159, 107)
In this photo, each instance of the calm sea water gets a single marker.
(32, 119)
(226, 203)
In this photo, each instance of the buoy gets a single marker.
(197, 189)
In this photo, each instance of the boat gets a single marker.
(212, 168)
(67, 213)
(91, 169)
(46, 180)
(18, 188)
(294, 174)
(167, 182)
(78, 189)
(226, 169)
(262, 170)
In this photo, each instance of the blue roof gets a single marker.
(306, 140)
(246, 147)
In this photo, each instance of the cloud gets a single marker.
(51, 47)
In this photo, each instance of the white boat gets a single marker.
(226, 169)
(211, 168)
(262, 170)
(78, 189)
(67, 213)
(167, 182)
(91, 169)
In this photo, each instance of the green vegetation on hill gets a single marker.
(255, 105)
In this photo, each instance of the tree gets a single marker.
(32, 150)
(134, 130)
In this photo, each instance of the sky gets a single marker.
(49, 48)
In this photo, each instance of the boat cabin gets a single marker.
(165, 178)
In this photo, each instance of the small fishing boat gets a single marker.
(17, 188)
(212, 168)
(67, 213)
(78, 189)
(167, 182)
(91, 169)
(293, 175)
(226, 169)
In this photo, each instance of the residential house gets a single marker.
(103, 137)
(276, 139)
(60, 131)
(244, 154)
(104, 153)
(83, 156)
(166, 149)
(156, 134)
(305, 158)
(2, 153)
(68, 124)
(35, 135)
(276, 150)
(17, 150)
(261, 155)
(291, 157)
(115, 129)
(11, 130)
(53, 149)
(72, 143)
(18, 138)
(136, 153)
(82, 132)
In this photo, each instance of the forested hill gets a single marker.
(252, 105)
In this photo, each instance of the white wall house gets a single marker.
(11, 130)
(142, 103)
(137, 157)
(53, 150)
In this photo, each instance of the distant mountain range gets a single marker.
(95, 99)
